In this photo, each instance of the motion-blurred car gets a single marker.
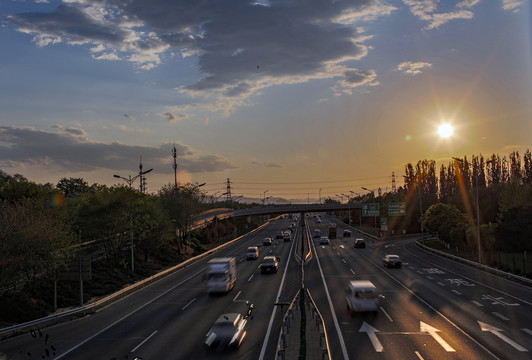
(360, 243)
(392, 261)
(228, 331)
(267, 241)
(324, 240)
(252, 253)
(361, 296)
(269, 264)
(347, 233)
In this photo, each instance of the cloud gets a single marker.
(268, 165)
(512, 5)
(413, 68)
(71, 150)
(426, 10)
(241, 47)
(171, 117)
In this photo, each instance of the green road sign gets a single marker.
(370, 210)
(397, 209)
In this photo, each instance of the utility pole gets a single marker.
(174, 165)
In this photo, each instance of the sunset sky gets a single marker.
(285, 96)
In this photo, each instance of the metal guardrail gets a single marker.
(285, 327)
(474, 264)
(93, 307)
(324, 341)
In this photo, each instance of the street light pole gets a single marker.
(320, 194)
(372, 193)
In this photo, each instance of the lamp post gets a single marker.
(360, 212)
(320, 194)
(373, 193)
(264, 196)
(130, 181)
(349, 208)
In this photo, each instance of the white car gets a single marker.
(324, 240)
(252, 253)
(361, 296)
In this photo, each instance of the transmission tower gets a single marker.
(228, 192)
(393, 182)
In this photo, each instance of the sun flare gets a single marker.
(445, 131)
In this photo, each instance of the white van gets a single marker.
(361, 296)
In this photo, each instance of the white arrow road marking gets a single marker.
(370, 330)
(434, 333)
(495, 331)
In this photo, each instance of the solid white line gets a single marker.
(148, 338)
(267, 337)
(476, 303)
(237, 295)
(501, 316)
(191, 301)
(336, 325)
(419, 355)
(251, 277)
(126, 316)
(385, 313)
(528, 331)
(456, 292)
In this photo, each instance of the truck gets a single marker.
(332, 231)
(221, 275)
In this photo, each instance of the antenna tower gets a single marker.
(228, 192)
(174, 165)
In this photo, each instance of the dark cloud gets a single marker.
(71, 150)
(239, 44)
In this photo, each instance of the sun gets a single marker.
(445, 131)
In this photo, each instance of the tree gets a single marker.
(72, 187)
(447, 221)
(527, 168)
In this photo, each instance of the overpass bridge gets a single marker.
(274, 210)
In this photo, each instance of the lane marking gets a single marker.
(370, 330)
(497, 332)
(411, 267)
(267, 337)
(385, 313)
(430, 278)
(237, 295)
(187, 305)
(337, 253)
(528, 331)
(440, 283)
(476, 303)
(251, 277)
(333, 313)
(456, 292)
(148, 338)
(500, 316)
(420, 272)
(127, 315)
(418, 355)
(352, 271)
(432, 331)
(344, 261)
(342, 246)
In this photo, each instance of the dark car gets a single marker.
(360, 243)
(269, 264)
(347, 233)
(279, 235)
(392, 261)
(267, 241)
(228, 331)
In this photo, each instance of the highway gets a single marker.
(434, 308)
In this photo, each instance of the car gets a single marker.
(361, 296)
(267, 241)
(269, 264)
(252, 253)
(317, 233)
(318, 221)
(347, 233)
(324, 240)
(228, 331)
(360, 243)
(392, 261)
(287, 236)
(279, 235)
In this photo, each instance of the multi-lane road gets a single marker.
(434, 308)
